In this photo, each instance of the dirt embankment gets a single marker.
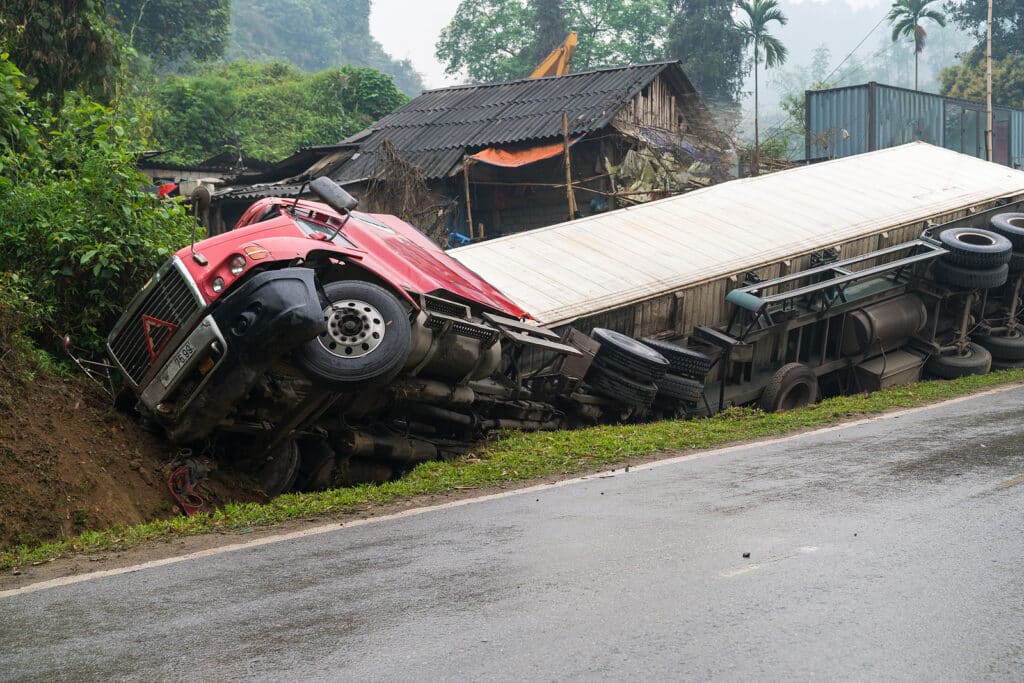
(69, 463)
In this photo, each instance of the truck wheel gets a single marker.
(970, 278)
(316, 464)
(794, 385)
(1006, 364)
(276, 473)
(975, 248)
(1008, 346)
(628, 356)
(617, 386)
(681, 361)
(1010, 226)
(366, 342)
(976, 360)
(680, 388)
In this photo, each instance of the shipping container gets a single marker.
(841, 122)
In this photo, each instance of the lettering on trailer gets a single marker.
(158, 333)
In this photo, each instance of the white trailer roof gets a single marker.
(605, 261)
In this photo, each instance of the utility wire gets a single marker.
(779, 126)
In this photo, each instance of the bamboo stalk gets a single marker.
(568, 167)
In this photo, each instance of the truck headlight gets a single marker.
(236, 264)
(217, 285)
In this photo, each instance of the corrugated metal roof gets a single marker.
(432, 130)
(610, 260)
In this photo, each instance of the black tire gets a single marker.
(976, 360)
(617, 386)
(1008, 346)
(680, 388)
(794, 385)
(1010, 226)
(1016, 262)
(968, 278)
(316, 464)
(681, 361)
(628, 356)
(277, 471)
(975, 248)
(1006, 364)
(377, 342)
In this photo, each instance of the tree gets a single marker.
(314, 35)
(496, 40)
(755, 32)
(266, 111)
(77, 235)
(170, 30)
(549, 16)
(61, 46)
(488, 41)
(1007, 29)
(967, 79)
(703, 37)
(905, 18)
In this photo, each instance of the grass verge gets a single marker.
(519, 456)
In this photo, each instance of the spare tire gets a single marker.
(617, 386)
(680, 388)
(681, 361)
(628, 356)
(1010, 226)
(1016, 262)
(975, 248)
(963, 277)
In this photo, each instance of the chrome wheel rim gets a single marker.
(354, 328)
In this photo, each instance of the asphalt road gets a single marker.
(885, 550)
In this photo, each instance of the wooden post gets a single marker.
(568, 167)
(469, 204)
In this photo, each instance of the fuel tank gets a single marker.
(883, 324)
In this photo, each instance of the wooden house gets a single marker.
(479, 161)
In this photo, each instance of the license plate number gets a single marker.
(176, 363)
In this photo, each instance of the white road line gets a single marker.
(335, 526)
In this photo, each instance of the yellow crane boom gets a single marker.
(557, 63)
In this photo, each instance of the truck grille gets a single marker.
(165, 306)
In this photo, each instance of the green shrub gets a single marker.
(76, 230)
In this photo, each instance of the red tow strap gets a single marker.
(181, 484)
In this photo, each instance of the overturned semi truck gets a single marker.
(316, 345)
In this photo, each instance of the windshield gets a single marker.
(310, 227)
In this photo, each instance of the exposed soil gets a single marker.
(69, 462)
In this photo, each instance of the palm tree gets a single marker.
(905, 18)
(754, 30)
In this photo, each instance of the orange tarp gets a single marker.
(514, 157)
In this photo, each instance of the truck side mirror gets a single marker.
(333, 195)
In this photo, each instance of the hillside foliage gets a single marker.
(267, 110)
(313, 35)
(78, 235)
(967, 80)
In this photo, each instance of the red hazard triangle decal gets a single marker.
(149, 326)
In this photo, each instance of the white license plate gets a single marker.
(176, 363)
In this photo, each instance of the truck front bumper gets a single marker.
(228, 351)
